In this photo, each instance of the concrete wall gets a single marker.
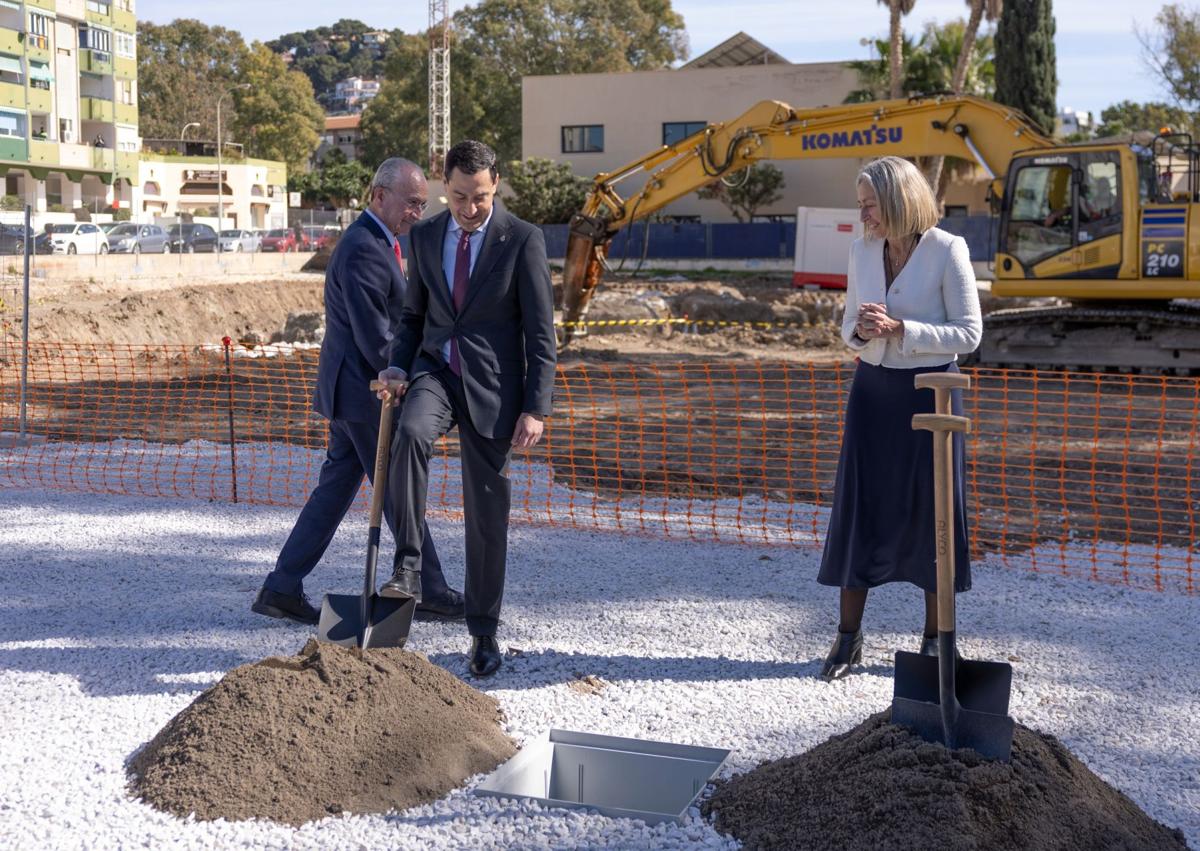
(633, 107)
(154, 267)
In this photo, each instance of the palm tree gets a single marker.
(980, 9)
(897, 8)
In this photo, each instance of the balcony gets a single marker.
(122, 20)
(12, 95)
(42, 4)
(13, 149)
(95, 62)
(95, 109)
(102, 159)
(125, 113)
(11, 42)
(127, 165)
(40, 100)
(75, 156)
(43, 153)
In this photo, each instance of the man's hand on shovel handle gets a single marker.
(391, 385)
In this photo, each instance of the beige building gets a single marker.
(254, 191)
(600, 122)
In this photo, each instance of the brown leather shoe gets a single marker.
(403, 585)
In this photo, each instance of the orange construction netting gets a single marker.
(1077, 474)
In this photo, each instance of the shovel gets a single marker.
(959, 702)
(368, 620)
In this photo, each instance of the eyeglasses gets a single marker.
(419, 206)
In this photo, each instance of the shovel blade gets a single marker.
(341, 621)
(982, 690)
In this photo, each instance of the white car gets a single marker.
(78, 238)
(239, 240)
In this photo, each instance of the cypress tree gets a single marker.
(1026, 77)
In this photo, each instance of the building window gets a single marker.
(101, 7)
(125, 5)
(39, 75)
(125, 91)
(10, 69)
(39, 31)
(583, 139)
(94, 38)
(126, 45)
(677, 131)
(12, 124)
(66, 130)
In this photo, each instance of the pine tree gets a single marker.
(1026, 77)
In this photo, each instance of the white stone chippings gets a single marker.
(117, 611)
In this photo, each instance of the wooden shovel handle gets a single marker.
(942, 381)
(940, 422)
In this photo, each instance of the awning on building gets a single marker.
(9, 4)
(10, 63)
(40, 71)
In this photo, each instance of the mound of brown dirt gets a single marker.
(879, 786)
(331, 729)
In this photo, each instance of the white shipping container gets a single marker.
(823, 239)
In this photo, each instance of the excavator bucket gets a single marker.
(586, 245)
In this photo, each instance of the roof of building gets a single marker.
(343, 122)
(737, 50)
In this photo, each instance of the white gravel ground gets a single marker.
(117, 611)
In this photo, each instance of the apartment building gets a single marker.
(68, 103)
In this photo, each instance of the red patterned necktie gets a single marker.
(462, 274)
(399, 256)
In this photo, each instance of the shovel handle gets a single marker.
(382, 448)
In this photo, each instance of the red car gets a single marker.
(322, 237)
(280, 239)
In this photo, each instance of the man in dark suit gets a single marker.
(364, 293)
(475, 349)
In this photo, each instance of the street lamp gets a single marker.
(183, 132)
(220, 174)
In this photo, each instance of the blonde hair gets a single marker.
(906, 203)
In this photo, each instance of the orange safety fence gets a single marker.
(1076, 474)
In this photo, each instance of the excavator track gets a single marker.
(1116, 338)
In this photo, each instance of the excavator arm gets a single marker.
(968, 127)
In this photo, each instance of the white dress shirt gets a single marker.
(935, 295)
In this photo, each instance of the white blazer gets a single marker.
(934, 294)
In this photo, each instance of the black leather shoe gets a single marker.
(402, 585)
(447, 606)
(292, 607)
(485, 655)
(929, 647)
(845, 652)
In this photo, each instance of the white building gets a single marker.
(254, 191)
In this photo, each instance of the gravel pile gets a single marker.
(327, 731)
(882, 786)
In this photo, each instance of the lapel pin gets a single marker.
(503, 237)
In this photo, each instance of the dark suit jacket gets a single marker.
(364, 294)
(505, 331)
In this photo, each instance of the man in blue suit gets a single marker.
(364, 295)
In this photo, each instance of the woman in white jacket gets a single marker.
(911, 307)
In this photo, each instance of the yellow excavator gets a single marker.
(1095, 224)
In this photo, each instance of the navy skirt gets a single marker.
(881, 528)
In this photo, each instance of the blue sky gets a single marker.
(1099, 58)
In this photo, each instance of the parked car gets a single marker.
(78, 238)
(12, 239)
(280, 239)
(239, 240)
(107, 227)
(130, 238)
(322, 237)
(188, 239)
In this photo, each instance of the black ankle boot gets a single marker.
(845, 652)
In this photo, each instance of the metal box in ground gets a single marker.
(621, 778)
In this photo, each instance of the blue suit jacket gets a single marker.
(364, 294)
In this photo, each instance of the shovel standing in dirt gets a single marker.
(368, 620)
(959, 702)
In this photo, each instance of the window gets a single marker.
(12, 124)
(583, 139)
(1040, 223)
(102, 7)
(10, 69)
(125, 45)
(95, 38)
(125, 92)
(66, 130)
(125, 5)
(39, 75)
(677, 131)
(39, 31)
